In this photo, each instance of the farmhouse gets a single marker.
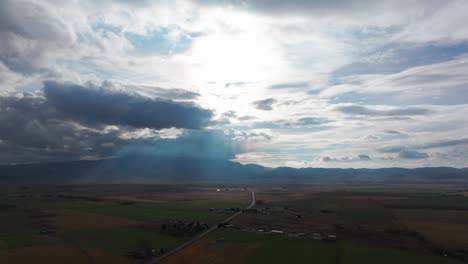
(277, 232)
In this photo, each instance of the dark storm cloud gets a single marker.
(412, 154)
(102, 106)
(362, 110)
(294, 85)
(32, 131)
(265, 104)
(69, 123)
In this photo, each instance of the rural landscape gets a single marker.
(144, 223)
(233, 132)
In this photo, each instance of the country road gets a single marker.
(199, 236)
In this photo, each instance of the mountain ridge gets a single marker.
(193, 170)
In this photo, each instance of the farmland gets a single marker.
(102, 224)
(354, 251)
(255, 248)
(181, 210)
(288, 224)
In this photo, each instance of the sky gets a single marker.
(336, 83)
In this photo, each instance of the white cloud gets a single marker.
(259, 44)
(439, 83)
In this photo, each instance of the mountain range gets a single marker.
(151, 169)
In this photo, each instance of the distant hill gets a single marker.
(198, 170)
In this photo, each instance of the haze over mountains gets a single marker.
(157, 169)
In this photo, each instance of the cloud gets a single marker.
(304, 8)
(311, 121)
(360, 157)
(29, 32)
(397, 65)
(363, 110)
(444, 143)
(293, 85)
(172, 93)
(412, 154)
(236, 84)
(442, 24)
(277, 124)
(437, 83)
(364, 157)
(427, 145)
(245, 136)
(392, 149)
(32, 131)
(390, 131)
(246, 118)
(229, 114)
(416, 21)
(328, 159)
(221, 122)
(413, 151)
(101, 106)
(265, 104)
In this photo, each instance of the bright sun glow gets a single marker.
(233, 58)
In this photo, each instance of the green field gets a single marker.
(158, 212)
(352, 213)
(278, 249)
(372, 226)
(121, 240)
(15, 231)
(21, 224)
(357, 252)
